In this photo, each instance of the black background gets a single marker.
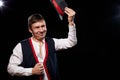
(97, 35)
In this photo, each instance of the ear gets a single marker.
(30, 30)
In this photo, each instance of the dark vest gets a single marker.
(29, 60)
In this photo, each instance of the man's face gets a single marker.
(39, 30)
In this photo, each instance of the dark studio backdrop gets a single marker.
(95, 33)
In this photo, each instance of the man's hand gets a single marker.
(71, 14)
(38, 69)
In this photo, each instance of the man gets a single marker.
(34, 58)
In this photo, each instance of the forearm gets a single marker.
(15, 70)
(72, 36)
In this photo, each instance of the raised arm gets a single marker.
(71, 40)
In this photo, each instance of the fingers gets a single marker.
(39, 64)
(38, 69)
(69, 11)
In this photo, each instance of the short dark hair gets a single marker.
(34, 18)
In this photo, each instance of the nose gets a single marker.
(41, 29)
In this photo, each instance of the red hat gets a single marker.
(59, 6)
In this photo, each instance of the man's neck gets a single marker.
(40, 41)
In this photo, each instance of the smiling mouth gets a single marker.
(40, 34)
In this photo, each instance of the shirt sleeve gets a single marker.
(15, 59)
(70, 41)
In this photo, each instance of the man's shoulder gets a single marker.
(48, 39)
(24, 40)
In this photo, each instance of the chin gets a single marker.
(41, 38)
